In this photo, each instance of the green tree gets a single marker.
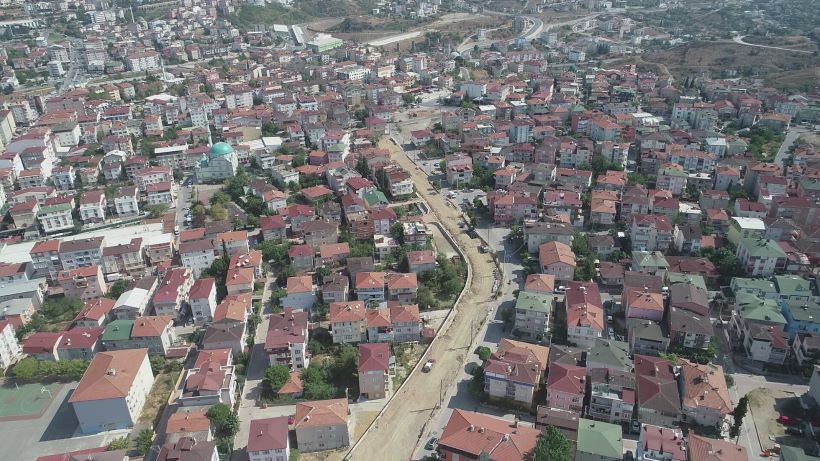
(117, 288)
(397, 232)
(144, 441)
(120, 443)
(219, 271)
(157, 363)
(484, 353)
(738, 414)
(275, 253)
(553, 445)
(275, 377)
(157, 211)
(476, 385)
(218, 212)
(224, 421)
(363, 168)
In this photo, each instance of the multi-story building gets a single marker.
(92, 207)
(85, 283)
(287, 339)
(611, 395)
(369, 287)
(760, 257)
(173, 292)
(514, 371)
(82, 252)
(322, 425)
(348, 321)
(127, 258)
(197, 255)
(532, 314)
(585, 313)
(113, 391)
(268, 440)
(374, 370)
(704, 393)
(650, 232)
(10, 350)
(202, 299)
(656, 391)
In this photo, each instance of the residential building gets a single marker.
(704, 393)
(10, 350)
(650, 232)
(208, 383)
(532, 314)
(558, 260)
(82, 252)
(301, 293)
(656, 391)
(348, 322)
(94, 313)
(374, 370)
(644, 304)
(514, 371)
(646, 337)
(708, 449)
(202, 299)
(322, 425)
(197, 255)
(584, 313)
(740, 228)
(225, 335)
(598, 441)
(268, 439)
(470, 435)
(402, 287)
(689, 329)
(85, 283)
(760, 257)
(566, 386)
(660, 444)
(611, 395)
(172, 292)
(188, 449)
(287, 339)
(126, 259)
(369, 287)
(113, 390)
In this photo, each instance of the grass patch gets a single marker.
(158, 397)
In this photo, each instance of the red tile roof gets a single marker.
(349, 311)
(110, 375)
(321, 413)
(374, 357)
(476, 433)
(268, 434)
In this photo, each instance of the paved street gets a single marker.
(417, 399)
(791, 136)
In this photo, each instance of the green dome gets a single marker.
(219, 149)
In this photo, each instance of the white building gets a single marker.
(142, 60)
(10, 349)
(113, 390)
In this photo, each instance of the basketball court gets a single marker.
(24, 401)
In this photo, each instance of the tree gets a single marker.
(739, 413)
(156, 211)
(218, 212)
(120, 443)
(225, 422)
(397, 232)
(476, 385)
(363, 168)
(144, 441)
(157, 363)
(219, 271)
(275, 377)
(117, 288)
(484, 353)
(553, 445)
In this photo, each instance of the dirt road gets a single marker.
(396, 433)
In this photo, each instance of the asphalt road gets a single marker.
(792, 134)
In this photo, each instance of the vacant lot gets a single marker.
(158, 398)
(765, 406)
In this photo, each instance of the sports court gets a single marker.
(25, 401)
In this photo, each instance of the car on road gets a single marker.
(431, 444)
(484, 249)
(291, 419)
(787, 420)
(428, 365)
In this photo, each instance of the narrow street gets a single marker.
(408, 415)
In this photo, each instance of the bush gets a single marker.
(157, 364)
(120, 443)
(144, 441)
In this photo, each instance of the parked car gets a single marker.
(794, 430)
(787, 420)
(431, 444)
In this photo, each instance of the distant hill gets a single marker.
(303, 11)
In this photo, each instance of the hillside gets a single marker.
(248, 15)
